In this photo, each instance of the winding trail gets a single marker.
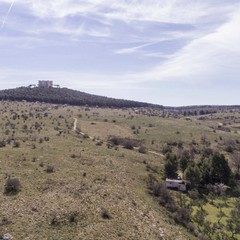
(156, 153)
(75, 124)
(75, 128)
(82, 133)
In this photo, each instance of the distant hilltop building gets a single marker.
(45, 83)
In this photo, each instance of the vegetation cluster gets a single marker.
(85, 172)
(67, 96)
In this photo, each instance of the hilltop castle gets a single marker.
(45, 83)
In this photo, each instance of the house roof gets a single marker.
(177, 180)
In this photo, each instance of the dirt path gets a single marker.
(82, 133)
(75, 124)
(75, 128)
(156, 153)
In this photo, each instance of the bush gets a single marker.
(16, 144)
(142, 149)
(156, 189)
(128, 145)
(166, 198)
(160, 190)
(229, 149)
(182, 216)
(5, 222)
(85, 136)
(46, 138)
(105, 214)
(166, 149)
(115, 140)
(154, 186)
(49, 169)
(2, 143)
(12, 186)
(54, 219)
(99, 143)
(207, 151)
(73, 217)
(41, 164)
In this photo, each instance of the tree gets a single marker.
(193, 174)
(171, 166)
(205, 167)
(220, 170)
(236, 161)
(183, 163)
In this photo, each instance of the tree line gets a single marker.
(68, 96)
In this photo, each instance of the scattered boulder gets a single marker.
(6, 236)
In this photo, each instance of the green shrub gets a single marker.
(12, 186)
(73, 217)
(2, 143)
(142, 149)
(16, 144)
(105, 214)
(128, 145)
(49, 169)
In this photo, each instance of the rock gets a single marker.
(7, 236)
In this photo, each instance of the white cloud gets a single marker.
(133, 49)
(212, 57)
(170, 11)
(160, 11)
(174, 11)
(55, 17)
(209, 31)
(7, 14)
(208, 58)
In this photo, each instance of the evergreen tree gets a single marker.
(220, 170)
(193, 174)
(183, 163)
(171, 166)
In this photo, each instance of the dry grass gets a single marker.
(96, 179)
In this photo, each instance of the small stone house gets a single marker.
(178, 184)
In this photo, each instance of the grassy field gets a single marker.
(75, 187)
(93, 192)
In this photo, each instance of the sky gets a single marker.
(168, 52)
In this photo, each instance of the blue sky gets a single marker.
(170, 52)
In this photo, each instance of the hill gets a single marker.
(74, 185)
(67, 96)
(68, 173)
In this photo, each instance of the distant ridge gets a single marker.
(67, 96)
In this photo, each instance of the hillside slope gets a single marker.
(71, 186)
(67, 96)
